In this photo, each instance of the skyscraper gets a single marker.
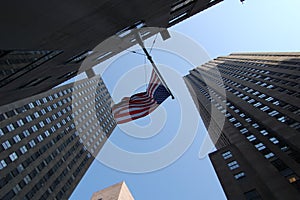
(249, 102)
(48, 140)
(118, 191)
(44, 43)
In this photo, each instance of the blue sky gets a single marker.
(258, 25)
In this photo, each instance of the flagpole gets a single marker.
(141, 43)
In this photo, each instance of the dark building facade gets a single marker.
(250, 104)
(49, 140)
(44, 43)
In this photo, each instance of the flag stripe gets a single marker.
(141, 104)
(124, 105)
(129, 118)
(134, 112)
(135, 108)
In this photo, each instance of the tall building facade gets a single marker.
(49, 140)
(250, 104)
(118, 191)
(44, 44)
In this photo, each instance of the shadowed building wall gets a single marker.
(256, 97)
(44, 43)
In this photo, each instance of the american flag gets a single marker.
(141, 104)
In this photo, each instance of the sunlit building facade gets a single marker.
(118, 191)
(49, 140)
(250, 104)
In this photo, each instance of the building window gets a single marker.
(265, 108)
(255, 125)
(227, 155)
(232, 119)
(23, 149)
(257, 104)
(233, 165)
(27, 179)
(245, 98)
(41, 123)
(31, 105)
(17, 138)
(252, 195)
(48, 121)
(26, 133)
(244, 130)
(17, 189)
(273, 113)
(264, 132)
(274, 140)
(293, 179)
(242, 115)
(28, 118)
(20, 168)
(47, 133)
(282, 119)
(20, 122)
(38, 102)
(260, 146)
(2, 164)
(10, 127)
(32, 143)
(34, 128)
(40, 138)
(262, 96)
(43, 111)
(239, 175)
(251, 138)
(13, 156)
(6, 144)
(237, 124)
(36, 114)
(248, 119)
(269, 155)
(1, 132)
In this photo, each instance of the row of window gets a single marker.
(263, 83)
(13, 156)
(43, 180)
(43, 149)
(250, 137)
(263, 77)
(290, 175)
(260, 62)
(41, 137)
(35, 115)
(248, 120)
(233, 165)
(49, 98)
(260, 146)
(273, 113)
(261, 73)
(255, 92)
(34, 128)
(61, 177)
